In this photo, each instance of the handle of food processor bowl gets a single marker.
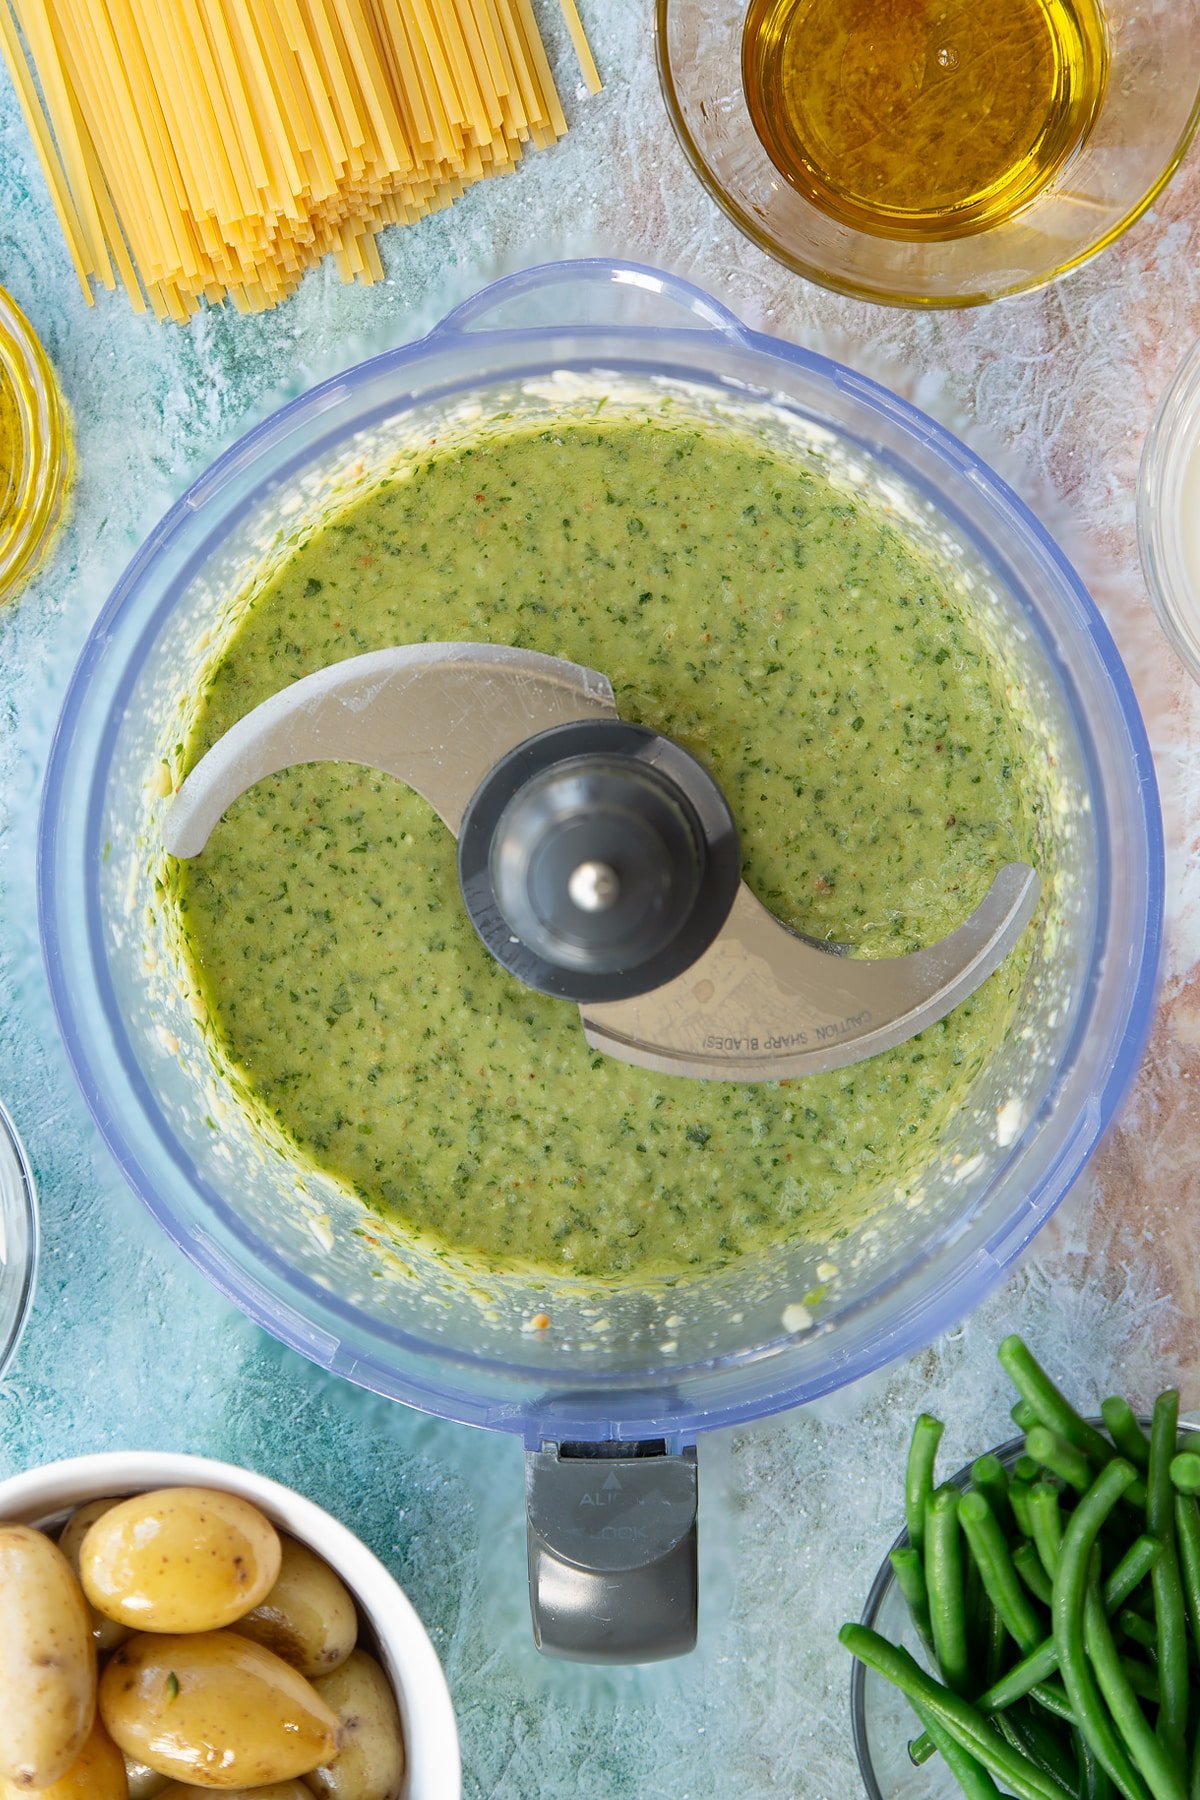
(612, 1550)
(592, 273)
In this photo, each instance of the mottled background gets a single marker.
(128, 1347)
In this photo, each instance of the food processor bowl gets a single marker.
(616, 1363)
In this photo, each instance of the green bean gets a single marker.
(1028, 1565)
(1045, 1517)
(1187, 1543)
(1194, 1787)
(1042, 1745)
(1125, 1432)
(976, 1609)
(1000, 1579)
(1131, 1571)
(1165, 1581)
(964, 1722)
(1054, 1452)
(1026, 1469)
(1053, 1696)
(1052, 1407)
(1031, 1674)
(1160, 1501)
(909, 1572)
(1018, 1499)
(918, 1476)
(1142, 1680)
(1070, 1597)
(1024, 1417)
(1095, 1783)
(970, 1775)
(1185, 1472)
(1154, 1758)
(921, 1748)
(1140, 1630)
(1038, 1666)
(1050, 1695)
(944, 1579)
(990, 1477)
(997, 1646)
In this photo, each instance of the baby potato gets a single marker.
(106, 1632)
(97, 1774)
(278, 1790)
(215, 1710)
(308, 1617)
(370, 1763)
(144, 1783)
(47, 1661)
(180, 1559)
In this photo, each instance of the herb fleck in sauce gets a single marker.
(739, 603)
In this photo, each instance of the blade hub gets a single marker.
(598, 860)
(594, 887)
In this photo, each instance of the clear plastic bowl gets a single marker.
(1169, 511)
(1148, 115)
(617, 1363)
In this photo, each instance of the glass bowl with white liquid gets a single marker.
(1169, 511)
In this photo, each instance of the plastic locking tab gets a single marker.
(612, 1550)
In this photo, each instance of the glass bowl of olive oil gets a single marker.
(932, 152)
(35, 449)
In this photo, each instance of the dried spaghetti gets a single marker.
(199, 149)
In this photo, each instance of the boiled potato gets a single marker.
(370, 1763)
(98, 1774)
(47, 1661)
(308, 1617)
(278, 1790)
(181, 1559)
(107, 1633)
(144, 1783)
(215, 1710)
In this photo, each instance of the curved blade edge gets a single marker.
(436, 716)
(762, 1004)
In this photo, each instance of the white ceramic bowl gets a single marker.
(434, 1771)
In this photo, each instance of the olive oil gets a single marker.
(10, 445)
(35, 449)
(922, 119)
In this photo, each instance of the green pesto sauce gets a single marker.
(805, 651)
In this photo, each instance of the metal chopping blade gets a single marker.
(436, 716)
(735, 996)
(762, 1004)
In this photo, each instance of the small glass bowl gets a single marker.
(1169, 511)
(35, 449)
(18, 1239)
(1149, 112)
(881, 1719)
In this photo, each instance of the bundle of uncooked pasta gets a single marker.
(213, 148)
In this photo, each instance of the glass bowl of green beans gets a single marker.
(899, 1762)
